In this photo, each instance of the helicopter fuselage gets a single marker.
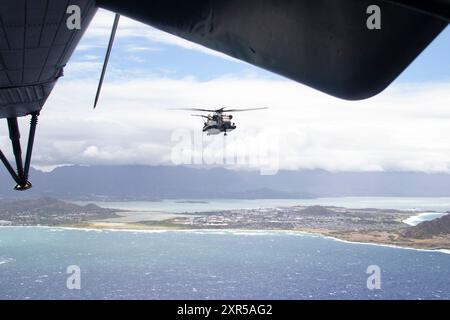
(219, 123)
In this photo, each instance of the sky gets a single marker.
(406, 127)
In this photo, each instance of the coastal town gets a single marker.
(335, 218)
(382, 226)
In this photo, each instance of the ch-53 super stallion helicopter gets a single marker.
(218, 121)
(351, 49)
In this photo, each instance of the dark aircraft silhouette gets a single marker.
(218, 121)
(325, 44)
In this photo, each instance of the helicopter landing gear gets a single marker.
(21, 176)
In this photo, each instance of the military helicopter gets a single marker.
(37, 39)
(218, 121)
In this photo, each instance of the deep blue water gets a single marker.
(211, 265)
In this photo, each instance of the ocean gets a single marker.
(34, 261)
(210, 265)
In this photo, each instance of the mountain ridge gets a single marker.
(134, 182)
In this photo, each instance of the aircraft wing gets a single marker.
(324, 44)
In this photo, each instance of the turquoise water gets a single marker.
(210, 265)
(219, 264)
(419, 204)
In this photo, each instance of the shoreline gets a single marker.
(382, 227)
(316, 233)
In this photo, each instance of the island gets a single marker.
(367, 225)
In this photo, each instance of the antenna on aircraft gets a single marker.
(108, 53)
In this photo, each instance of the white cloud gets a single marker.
(405, 128)
(141, 49)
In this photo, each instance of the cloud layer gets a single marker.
(407, 127)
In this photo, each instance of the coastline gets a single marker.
(421, 245)
(416, 244)
(382, 227)
(381, 238)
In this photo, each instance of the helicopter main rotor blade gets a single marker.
(194, 109)
(241, 110)
(108, 52)
(221, 110)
